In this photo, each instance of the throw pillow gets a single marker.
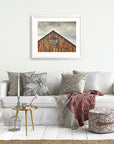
(92, 81)
(72, 83)
(35, 84)
(13, 78)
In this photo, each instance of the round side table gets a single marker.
(28, 108)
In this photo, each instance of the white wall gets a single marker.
(15, 34)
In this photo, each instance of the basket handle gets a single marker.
(108, 123)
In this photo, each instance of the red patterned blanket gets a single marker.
(80, 104)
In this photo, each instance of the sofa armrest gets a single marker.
(4, 88)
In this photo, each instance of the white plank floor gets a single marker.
(52, 133)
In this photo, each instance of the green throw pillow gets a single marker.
(72, 83)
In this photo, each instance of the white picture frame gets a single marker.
(35, 29)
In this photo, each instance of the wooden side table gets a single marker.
(28, 108)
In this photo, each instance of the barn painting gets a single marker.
(54, 42)
(57, 37)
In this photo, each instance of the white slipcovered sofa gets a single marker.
(47, 113)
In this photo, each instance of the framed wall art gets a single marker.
(56, 37)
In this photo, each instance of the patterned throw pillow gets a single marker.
(13, 89)
(73, 83)
(35, 84)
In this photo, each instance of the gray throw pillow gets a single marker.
(72, 83)
(92, 81)
(35, 84)
(13, 78)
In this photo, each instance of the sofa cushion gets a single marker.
(107, 101)
(106, 80)
(35, 84)
(107, 98)
(47, 101)
(92, 81)
(72, 83)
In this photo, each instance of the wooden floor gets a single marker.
(52, 133)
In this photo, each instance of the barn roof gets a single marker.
(57, 34)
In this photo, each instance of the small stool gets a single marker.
(101, 120)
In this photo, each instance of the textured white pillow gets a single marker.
(106, 81)
(92, 81)
(54, 82)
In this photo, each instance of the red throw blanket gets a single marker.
(80, 104)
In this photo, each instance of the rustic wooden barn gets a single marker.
(54, 42)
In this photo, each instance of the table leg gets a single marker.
(32, 119)
(16, 119)
(26, 120)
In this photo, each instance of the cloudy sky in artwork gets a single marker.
(66, 29)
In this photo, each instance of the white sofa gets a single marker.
(47, 114)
